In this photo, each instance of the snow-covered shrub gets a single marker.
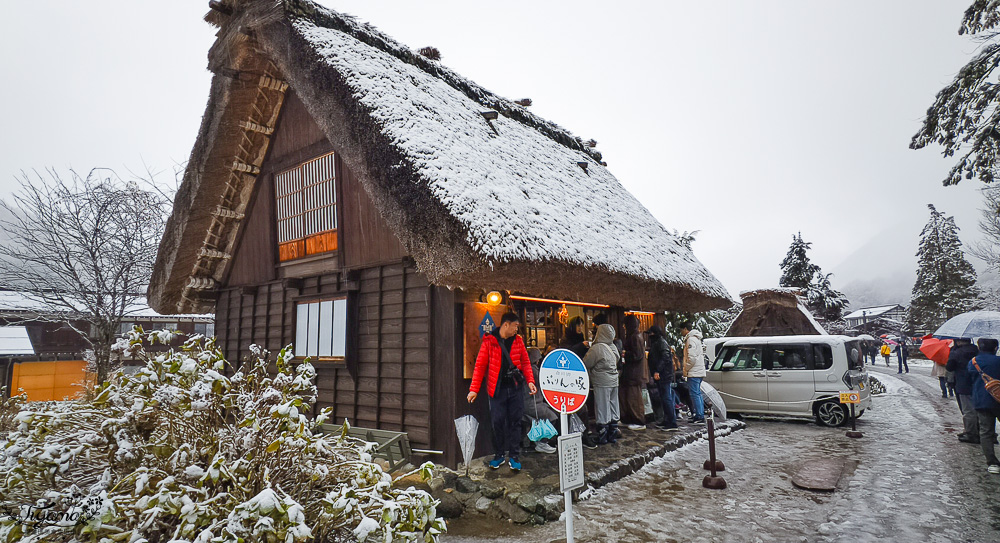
(9, 407)
(875, 386)
(181, 451)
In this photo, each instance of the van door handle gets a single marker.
(775, 374)
(759, 374)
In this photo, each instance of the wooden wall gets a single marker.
(367, 239)
(256, 247)
(364, 239)
(386, 381)
(295, 130)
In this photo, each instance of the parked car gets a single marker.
(790, 376)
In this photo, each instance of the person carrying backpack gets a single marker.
(885, 351)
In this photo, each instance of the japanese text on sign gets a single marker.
(564, 381)
(571, 474)
(850, 397)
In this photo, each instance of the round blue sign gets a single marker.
(564, 381)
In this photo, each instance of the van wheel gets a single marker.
(831, 413)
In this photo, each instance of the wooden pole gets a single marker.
(568, 495)
(712, 481)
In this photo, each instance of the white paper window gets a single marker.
(321, 329)
(306, 199)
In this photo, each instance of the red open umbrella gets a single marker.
(936, 349)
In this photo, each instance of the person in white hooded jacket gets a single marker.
(602, 363)
(694, 369)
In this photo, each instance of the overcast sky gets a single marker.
(745, 121)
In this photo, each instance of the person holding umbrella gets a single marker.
(958, 363)
(986, 363)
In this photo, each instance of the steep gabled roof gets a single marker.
(774, 312)
(514, 203)
(872, 312)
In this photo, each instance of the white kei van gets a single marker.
(790, 376)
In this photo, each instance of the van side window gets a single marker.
(790, 357)
(745, 357)
(822, 357)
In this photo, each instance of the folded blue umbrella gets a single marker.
(550, 431)
(537, 433)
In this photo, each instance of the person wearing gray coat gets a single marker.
(602, 363)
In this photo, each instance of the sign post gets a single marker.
(565, 385)
(852, 397)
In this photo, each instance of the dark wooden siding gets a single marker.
(295, 131)
(254, 257)
(386, 380)
(367, 240)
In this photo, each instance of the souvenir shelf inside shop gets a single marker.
(545, 322)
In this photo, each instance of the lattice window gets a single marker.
(306, 199)
(321, 329)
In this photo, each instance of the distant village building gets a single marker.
(774, 312)
(861, 316)
(378, 210)
(43, 353)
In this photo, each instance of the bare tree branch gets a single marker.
(83, 247)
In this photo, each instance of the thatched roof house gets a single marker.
(513, 203)
(774, 312)
(357, 199)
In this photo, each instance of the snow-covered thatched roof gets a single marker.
(514, 203)
(776, 311)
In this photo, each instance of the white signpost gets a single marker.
(565, 385)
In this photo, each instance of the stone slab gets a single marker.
(819, 474)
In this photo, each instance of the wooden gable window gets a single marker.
(307, 209)
(321, 329)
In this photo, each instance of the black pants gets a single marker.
(506, 410)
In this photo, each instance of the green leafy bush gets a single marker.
(190, 449)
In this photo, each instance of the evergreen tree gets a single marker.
(823, 300)
(963, 118)
(946, 281)
(796, 270)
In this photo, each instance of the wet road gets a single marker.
(909, 479)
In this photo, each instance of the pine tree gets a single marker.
(824, 301)
(963, 117)
(946, 281)
(796, 270)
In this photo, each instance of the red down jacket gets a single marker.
(490, 356)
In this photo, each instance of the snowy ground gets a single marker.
(909, 479)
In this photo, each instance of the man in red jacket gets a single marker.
(504, 360)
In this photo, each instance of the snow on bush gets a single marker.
(181, 452)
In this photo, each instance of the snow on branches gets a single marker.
(798, 272)
(191, 449)
(964, 118)
(946, 281)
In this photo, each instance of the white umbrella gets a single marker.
(971, 325)
(867, 337)
(714, 398)
(467, 427)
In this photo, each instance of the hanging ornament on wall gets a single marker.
(563, 315)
